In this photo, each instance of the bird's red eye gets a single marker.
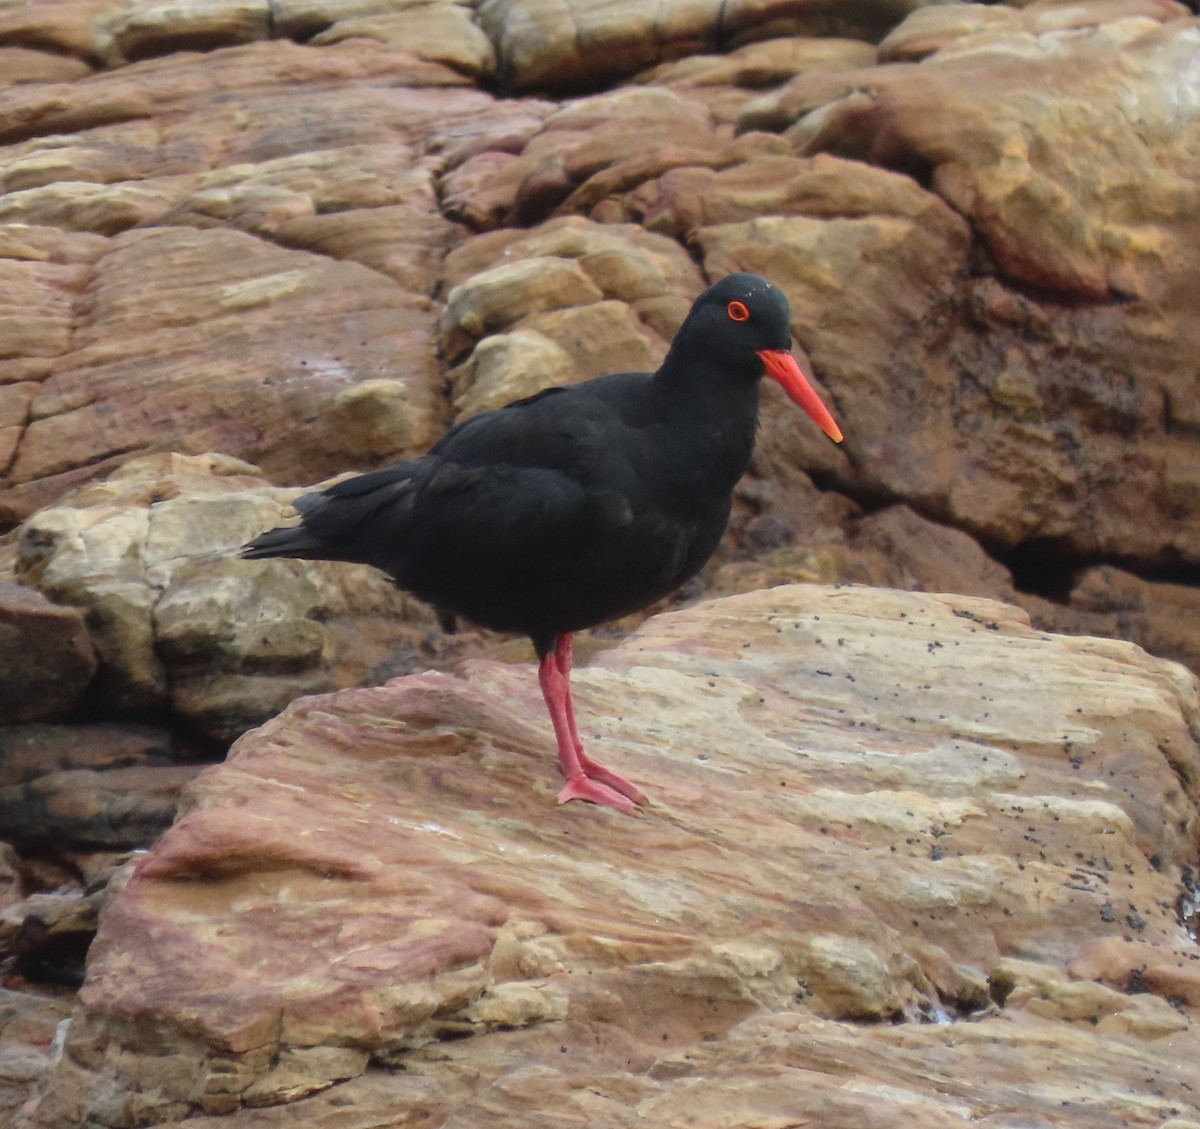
(738, 311)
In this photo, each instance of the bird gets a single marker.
(577, 505)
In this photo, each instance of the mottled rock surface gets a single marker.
(179, 623)
(309, 235)
(379, 217)
(46, 657)
(903, 855)
(297, 235)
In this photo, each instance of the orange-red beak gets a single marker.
(781, 365)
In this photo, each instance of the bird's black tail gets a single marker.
(360, 520)
(288, 542)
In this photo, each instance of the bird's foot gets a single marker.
(606, 776)
(581, 787)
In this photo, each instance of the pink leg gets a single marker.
(578, 770)
(564, 657)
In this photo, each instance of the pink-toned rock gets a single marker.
(325, 150)
(20, 65)
(683, 201)
(865, 806)
(587, 152)
(43, 272)
(275, 325)
(29, 1027)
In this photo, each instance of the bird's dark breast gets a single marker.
(616, 498)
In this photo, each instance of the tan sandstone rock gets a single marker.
(331, 152)
(929, 29)
(914, 813)
(441, 32)
(1074, 239)
(572, 300)
(573, 45)
(150, 557)
(275, 325)
(992, 256)
(727, 82)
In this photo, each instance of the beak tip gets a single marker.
(782, 367)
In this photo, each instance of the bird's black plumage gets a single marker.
(576, 505)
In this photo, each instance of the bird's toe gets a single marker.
(594, 792)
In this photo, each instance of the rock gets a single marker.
(508, 366)
(28, 751)
(126, 33)
(80, 809)
(725, 83)
(862, 803)
(583, 154)
(577, 46)
(893, 548)
(1011, 371)
(991, 257)
(46, 657)
(30, 1027)
(1157, 615)
(63, 29)
(44, 271)
(683, 202)
(179, 622)
(1050, 993)
(357, 151)
(22, 65)
(1134, 966)
(919, 554)
(930, 29)
(576, 298)
(650, 272)
(46, 936)
(441, 32)
(344, 181)
(1016, 198)
(269, 318)
(10, 877)
(497, 298)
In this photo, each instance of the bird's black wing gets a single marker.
(511, 520)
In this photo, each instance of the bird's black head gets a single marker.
(733, 320)
(739, 329)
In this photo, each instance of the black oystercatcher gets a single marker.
(577, 505)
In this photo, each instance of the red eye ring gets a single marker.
(738, 311)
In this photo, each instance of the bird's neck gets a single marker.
(713, 417)
(703, 388)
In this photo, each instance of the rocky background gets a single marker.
(245, 246)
